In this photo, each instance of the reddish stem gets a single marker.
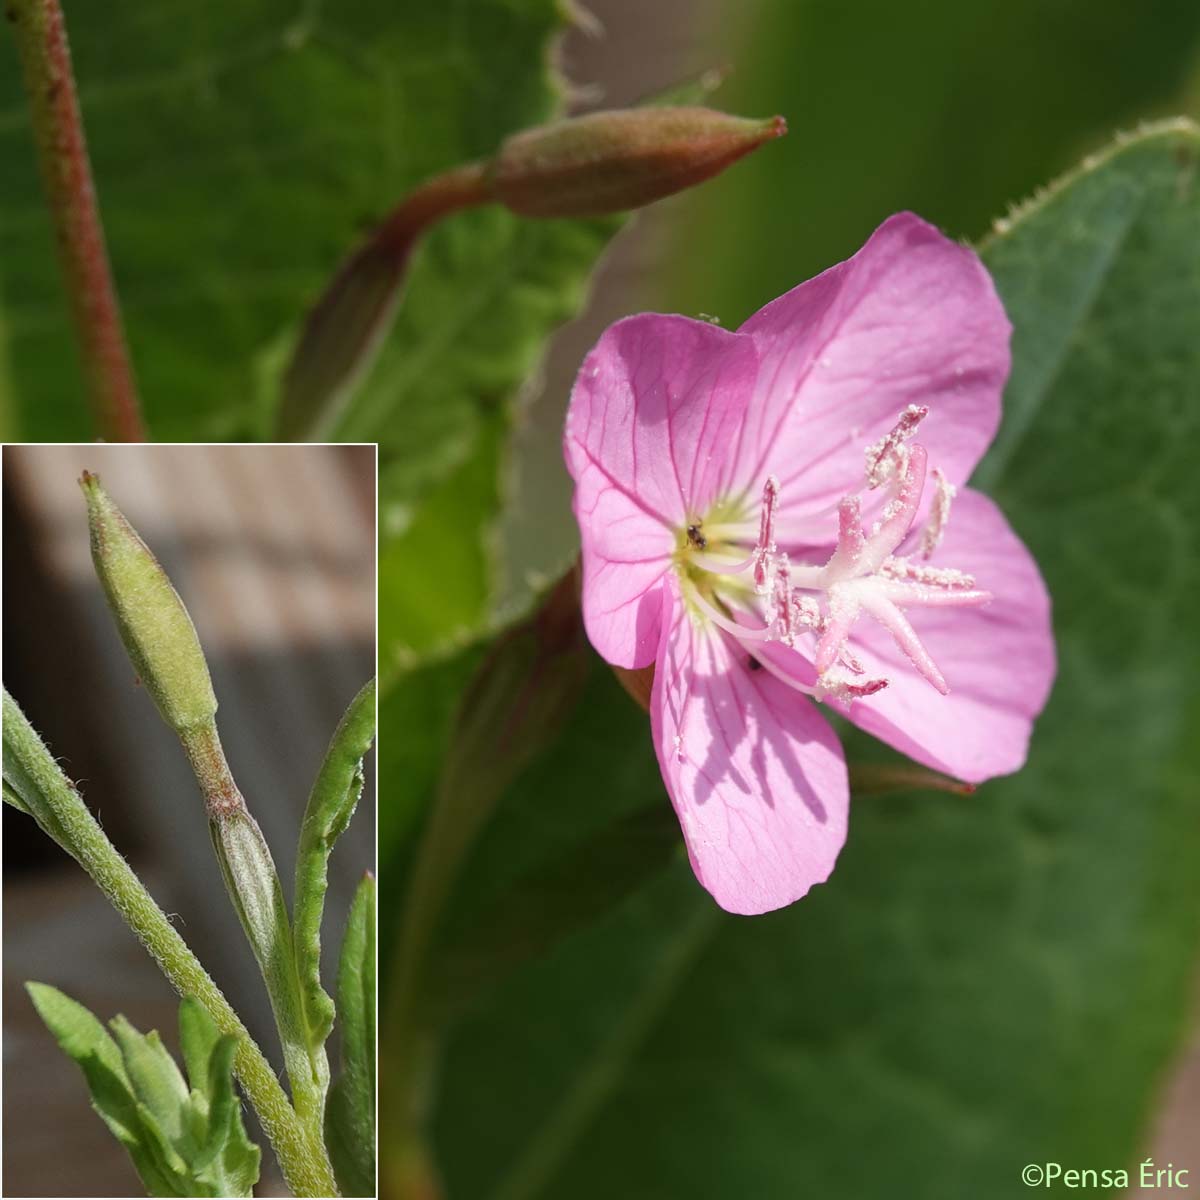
(438, 197)
(71, 195)
(343, 329)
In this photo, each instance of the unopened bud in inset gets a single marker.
(154, 625)
(609, 162)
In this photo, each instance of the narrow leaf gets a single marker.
(198, 1036)
(156, 1079)
(84, 1039)
(11, 797)
(229, 1162)
(334, 796)
(182, 1143)
(33, 780)
(350, 1115)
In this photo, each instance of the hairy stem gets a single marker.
(35, 784)
(254, 889)
(71, 195)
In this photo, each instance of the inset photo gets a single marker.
(189, 722)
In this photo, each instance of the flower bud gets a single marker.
(154, 625)
(608, 162)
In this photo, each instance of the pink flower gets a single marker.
(757, 522)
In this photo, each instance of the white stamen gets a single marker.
(939, 514)
(764, 551)
(903, 568)
(806, 613)
(887, 459)
(779, 609)
(833, 686)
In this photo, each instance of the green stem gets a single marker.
(35, 783)
(71, 194)
(253, 886)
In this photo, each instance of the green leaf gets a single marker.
(943, 995)
(418, 710)
(441, 488)
(198, 1037)
(225, 1159)
(157, 1082)
(11, 797)
(34, 783)
(512, 707)
(229, 210)
(447, 528)
(350, 1114)
(331, 804)
(492, 930)
(239, 152)
(229, 1163)
(182, 1144)
(86, 1041)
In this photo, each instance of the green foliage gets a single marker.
(331, 804)
(951, 984)
(34, 783)
(500, 921)
(239, 155)
(239, 151)
(184, 1140)
(479, 331)
(350, 1115)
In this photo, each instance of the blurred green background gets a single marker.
(955, 111)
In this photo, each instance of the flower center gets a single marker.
(749, 586)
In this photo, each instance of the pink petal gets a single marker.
(655, 406)
(625, 552)
(651, 416)
(998, 659)
(754, 771)
(912, 318)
